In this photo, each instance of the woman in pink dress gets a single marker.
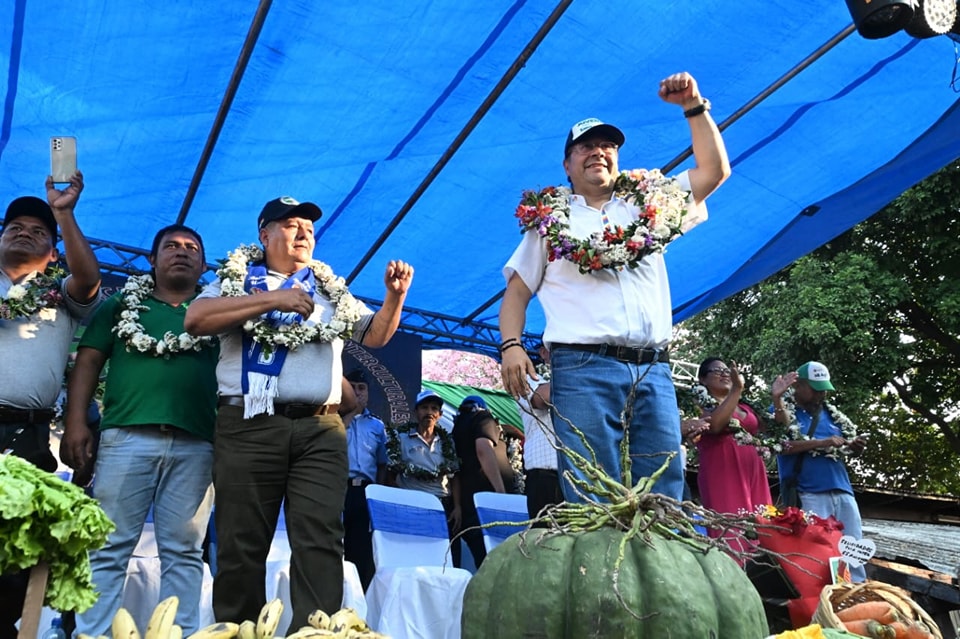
(732, 477)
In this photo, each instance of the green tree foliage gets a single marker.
(880, 306)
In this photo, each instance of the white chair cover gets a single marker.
(416, 593)
(493, 507)
(142, 590)
(278, 579)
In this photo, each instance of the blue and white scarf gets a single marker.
(261, 366)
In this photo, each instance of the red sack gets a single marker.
(806, 545)
(802, 610)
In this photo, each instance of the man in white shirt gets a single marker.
(609, 324)
(542, 481)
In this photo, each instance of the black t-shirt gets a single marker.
(467, 428)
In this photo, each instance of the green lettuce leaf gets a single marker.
(43, 518)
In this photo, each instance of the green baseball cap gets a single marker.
(817, 375)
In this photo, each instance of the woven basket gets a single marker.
(834, 598)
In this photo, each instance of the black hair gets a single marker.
(357, 376)
(703, 371)
(176, 228)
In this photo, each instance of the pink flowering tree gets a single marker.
(461, 367)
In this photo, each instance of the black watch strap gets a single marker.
(701, 108)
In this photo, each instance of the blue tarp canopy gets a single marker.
(416, 125)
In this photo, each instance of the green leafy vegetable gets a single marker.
(43, 518)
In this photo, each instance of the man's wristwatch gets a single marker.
(701, 108)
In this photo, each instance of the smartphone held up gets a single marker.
(63, 158)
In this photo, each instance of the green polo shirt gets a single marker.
(141, 389)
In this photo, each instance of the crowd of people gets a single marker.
(235, 392)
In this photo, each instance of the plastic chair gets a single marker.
(415, 591)
(494, 507)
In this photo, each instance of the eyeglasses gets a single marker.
(720, 372)
(590, 146)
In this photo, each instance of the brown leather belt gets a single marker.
(32, 416)
(290, 410)
(622, 353)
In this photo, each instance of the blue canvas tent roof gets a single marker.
(416, 125)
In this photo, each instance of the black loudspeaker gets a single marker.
(881, 18)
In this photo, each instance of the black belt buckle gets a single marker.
(631, 355)
(639, 355)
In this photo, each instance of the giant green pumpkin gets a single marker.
(558, 586)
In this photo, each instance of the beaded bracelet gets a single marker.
(503, 348)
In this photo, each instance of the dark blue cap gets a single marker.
(473, 399)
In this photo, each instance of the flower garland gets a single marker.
(662, 205)
(41, 291)
(847, 428)
(770, 437)
(543, 372)
(347, 311)
(395, 464)
(131, 331)
(515, 457)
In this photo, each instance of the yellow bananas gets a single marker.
(345, 623)
(123, 626)
(319, 619)
(309, 632)
(220, 630)
(346, 620)
(161, 621)
(248, 630)
(268, 619)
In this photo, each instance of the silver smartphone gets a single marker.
(63, 158)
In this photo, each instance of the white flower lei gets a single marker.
(38, 293)
(132, 332)
(767, 442)
(543, 372)
(847, 428)
(448, 467)
(708, 402)
(233, 273)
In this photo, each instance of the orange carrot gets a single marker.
(870, 628)
(879, 610)
(906, 630)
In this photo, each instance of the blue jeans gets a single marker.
(172, 470)
(591, 391)
(843, 506)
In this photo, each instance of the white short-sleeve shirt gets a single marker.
(629, 307)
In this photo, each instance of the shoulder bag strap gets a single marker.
(810, 431)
